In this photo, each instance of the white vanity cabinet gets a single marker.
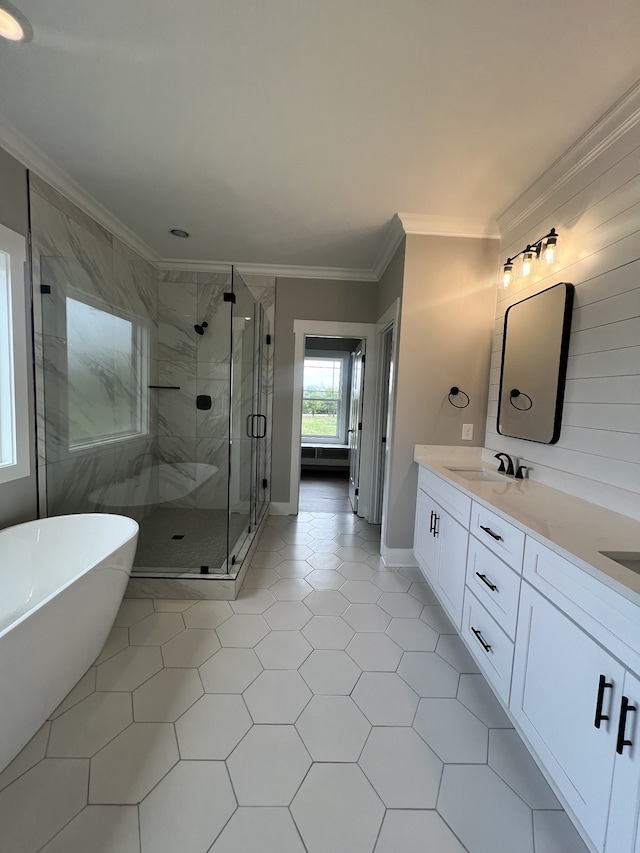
(557, 641)
(440, 540)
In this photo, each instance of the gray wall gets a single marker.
(448, 302)
(18, 500)
(304, 299)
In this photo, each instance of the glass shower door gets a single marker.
(248, 424)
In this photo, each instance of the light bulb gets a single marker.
(527, 262)
(507, 276)
(551, 249)
(10, 28)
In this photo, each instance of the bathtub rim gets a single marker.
(49, 520)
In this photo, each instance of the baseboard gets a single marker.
(277, 508)
(397, 557)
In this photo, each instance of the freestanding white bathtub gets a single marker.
(62, 581)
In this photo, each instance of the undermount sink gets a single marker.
(628, 559)
(477, 474)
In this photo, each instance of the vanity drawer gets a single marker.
(494, 584)
(453, 500)
(502, 538)
(490, 646)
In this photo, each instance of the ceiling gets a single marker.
(289, 132)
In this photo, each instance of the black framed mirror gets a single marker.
(534, 365)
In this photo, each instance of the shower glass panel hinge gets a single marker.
(229, 297)
(233, 559)
(265, 483)
(357, 492)
(268, 339)
(45, 288)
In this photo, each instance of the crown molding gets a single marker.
(178, 265)
(327, 273)
(616, 121)
(270, 270)
(33, 158)
(448, 226)
(392, 239)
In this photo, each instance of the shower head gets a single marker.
(199, 329)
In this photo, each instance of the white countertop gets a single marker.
(573, 528)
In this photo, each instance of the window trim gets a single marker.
(15, 457)
(343, 404)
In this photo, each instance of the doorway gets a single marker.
(331, 403)
(361, 335)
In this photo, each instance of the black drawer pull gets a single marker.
(436, 524)
(481, 639)
(625, 708)
(491, 533)
(603, 684)
(486, 580)
(431, 522)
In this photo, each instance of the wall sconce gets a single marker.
(546, 246)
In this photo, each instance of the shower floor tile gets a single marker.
(325, 725)
(203, 539)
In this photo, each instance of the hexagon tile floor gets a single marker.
(330, 708)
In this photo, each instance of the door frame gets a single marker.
(325, 329)
(387, 324)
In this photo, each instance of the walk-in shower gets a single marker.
(140, 412)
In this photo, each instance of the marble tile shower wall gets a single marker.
(97, 421)
(198, 364)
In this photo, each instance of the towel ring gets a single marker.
(515, 393)
(454, 393)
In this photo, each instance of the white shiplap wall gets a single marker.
(591, 196)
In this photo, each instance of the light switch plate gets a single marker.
(467, 432)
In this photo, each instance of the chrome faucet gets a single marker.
(510, 470)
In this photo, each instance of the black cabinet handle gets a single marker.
(491, 533)
(436, 524)
(486, 580)
(481, 639)
(603, 685)
(431, 522)
(625, 709)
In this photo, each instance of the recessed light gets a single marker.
(178, 232)
(13, 25)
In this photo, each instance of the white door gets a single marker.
(355, 422)
(384, 391)
(426, 546)
(452, 563)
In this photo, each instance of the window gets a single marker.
(106, 379)
(14, 409)
(325, 398)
